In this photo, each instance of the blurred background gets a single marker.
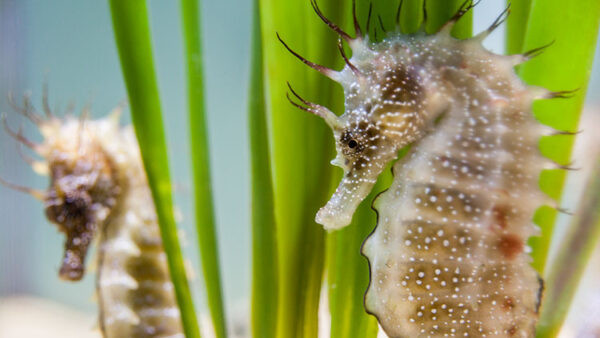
(70, 46)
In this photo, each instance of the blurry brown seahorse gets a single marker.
(447, 257)
(98, 188)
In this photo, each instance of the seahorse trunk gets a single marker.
(448, 255)
(136, 295)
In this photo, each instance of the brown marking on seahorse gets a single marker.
(510, 245)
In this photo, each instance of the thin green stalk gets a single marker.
(565, 65)
(301, 149)
(264, 246)
(132, 34)
(440, 11)
(411, 16)
(205, 219)
(573, 255)
(348, 272)
(516, 25)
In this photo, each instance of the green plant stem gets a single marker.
(301, 149)
(575, 251)
(132, 34)
(205, 219)
(411, 16)
(516, 25)
(565, 65)
(348, 272)
(440, 11)
(264, 246)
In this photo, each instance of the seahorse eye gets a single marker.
(351, 143)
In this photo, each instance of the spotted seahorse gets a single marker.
(98, 188)
(447, 257)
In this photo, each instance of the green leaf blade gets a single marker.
(264, 245)
(132, 35)
(301, 150)
(440, 11)
(200, 158)
(348, 272)
(516, 25)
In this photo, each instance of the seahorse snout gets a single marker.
(337, 213)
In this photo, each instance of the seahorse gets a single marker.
(98, 189)
(448, 254)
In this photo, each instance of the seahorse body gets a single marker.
(447, 256)
(98, 185)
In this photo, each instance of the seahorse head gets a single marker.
(388, 105)
(83, 188)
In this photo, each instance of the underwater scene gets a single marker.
(300, 168)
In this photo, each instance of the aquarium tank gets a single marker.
(167, 168)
